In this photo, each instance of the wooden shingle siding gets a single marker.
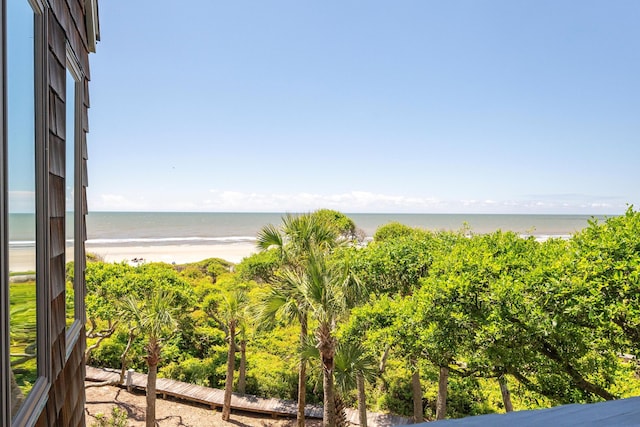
(85, 92)
(56, 205)
(61, 42)
(59, 128)
(56, 162)
(65, 12)
(85, 119)
(56, 38)
(57, 76)
(57, 267)
(66, 29)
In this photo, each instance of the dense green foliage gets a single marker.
(548, 320)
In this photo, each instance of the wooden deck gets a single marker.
(214, 398)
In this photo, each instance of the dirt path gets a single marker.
(170, 413)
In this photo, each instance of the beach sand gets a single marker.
(22, 259)
(179, 254)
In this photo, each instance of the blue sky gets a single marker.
(366, 106)
(20, 96)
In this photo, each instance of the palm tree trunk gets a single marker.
(329, 416)
(302, 373)
(362, 401)
(506, 395)
(231, 361)
(242, 370)
(416, 390)
(441, 404)
(123, 357)
(153, 357)
(340, 414)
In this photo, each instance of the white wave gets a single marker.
(545, 237)
(22, 243)
(150, 240)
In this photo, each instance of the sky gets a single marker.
(20, 103)
(417, 106)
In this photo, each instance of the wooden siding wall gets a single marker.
(65, 25)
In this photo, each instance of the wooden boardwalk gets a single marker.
(214, 398)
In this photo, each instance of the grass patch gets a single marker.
(70, 304)
(22, 305)
(22, 273)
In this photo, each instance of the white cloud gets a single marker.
(354, 201)
(217, 200)
(116, 202)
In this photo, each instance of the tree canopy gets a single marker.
(452, 323)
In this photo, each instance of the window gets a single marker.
(21, 203)
(69, 199)
(73, 261)
(43, 106)
(25, 367)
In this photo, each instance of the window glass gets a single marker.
(21, 185)
(70, 196)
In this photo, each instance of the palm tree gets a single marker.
(243, 332)
(297, 237)
(328, 290)
(353, 366)
(286, 302)
(155, 319)
(231, 315)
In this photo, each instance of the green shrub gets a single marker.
(205, 372)
(118, 418)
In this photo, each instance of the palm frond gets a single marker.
(352, 360)
(291, 224)
(309, 349)
(269, 236)
(154, 316)
(355, 290)
(234, 303)
(284, 300)
(159, 314)
(129, 309)
(275, 304)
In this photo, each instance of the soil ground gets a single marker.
(172, 413)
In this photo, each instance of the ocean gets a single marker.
(189, 237)
(166, 228)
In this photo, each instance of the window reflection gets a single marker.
(70, 197)
(21, 185)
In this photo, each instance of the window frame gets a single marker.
(33, 404)
(5, 366)
(74, 136)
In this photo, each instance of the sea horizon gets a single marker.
(357, 213)
(170, 228)
(178, 237)
(137, 227)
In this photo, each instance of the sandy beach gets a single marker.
(179, 254)
(23, 259)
